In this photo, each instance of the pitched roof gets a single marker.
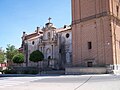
(32, 35)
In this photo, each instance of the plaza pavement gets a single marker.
(61, 82)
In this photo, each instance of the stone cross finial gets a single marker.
(49, 19)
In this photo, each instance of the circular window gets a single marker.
(33, 42)
(67, 35)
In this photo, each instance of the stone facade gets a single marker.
(96, 33)
(54, 43)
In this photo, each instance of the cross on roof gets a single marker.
(49, 19)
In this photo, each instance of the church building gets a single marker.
(54, 43)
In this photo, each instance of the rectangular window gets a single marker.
(60, 51)
(119, 44)
(89, 45)
(89, 64)
(117, 9)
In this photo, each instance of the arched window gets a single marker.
(33, 42)
(48, 34)
(49, 57)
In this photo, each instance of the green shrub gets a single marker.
(19, 58)
(9, 71)
(31, 72)
(36, 56)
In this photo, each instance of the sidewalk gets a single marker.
(71, 82)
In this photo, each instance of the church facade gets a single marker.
(96, 34)
(54, 43)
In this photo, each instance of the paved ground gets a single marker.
(64, 82)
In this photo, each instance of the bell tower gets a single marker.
(95, 33)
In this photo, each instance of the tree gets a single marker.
(10, 52)
(36, 56)
(2, 56)
(18, 58)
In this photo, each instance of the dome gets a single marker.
(49, 24)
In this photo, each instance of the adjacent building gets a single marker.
(96, 34)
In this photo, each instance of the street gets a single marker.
(61, 82)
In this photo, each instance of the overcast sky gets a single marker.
(17, 16)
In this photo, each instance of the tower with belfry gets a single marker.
(95, 36)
